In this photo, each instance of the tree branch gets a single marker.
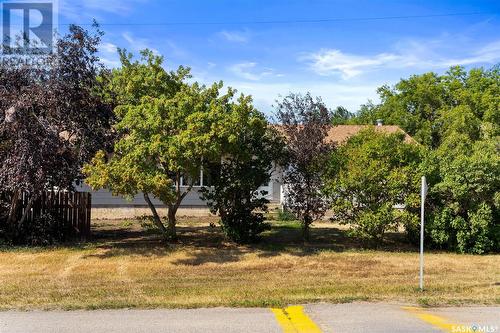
(156, 217)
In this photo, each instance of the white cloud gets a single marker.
(108, 47)
(174, 50)
(138, 44)
(333, 94)
(169, 48)
(235, 36)
(327, 62)
(347, 94)
(409, 54)
(108, 54)
(249, 71)
(110, 62)
(489, 53)
(74, 10)
(243, 70)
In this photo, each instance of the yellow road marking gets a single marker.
(293, 320)
(436, 321)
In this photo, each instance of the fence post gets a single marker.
(89, 212)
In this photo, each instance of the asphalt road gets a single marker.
(313, 318)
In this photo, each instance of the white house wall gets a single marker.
(104, 198)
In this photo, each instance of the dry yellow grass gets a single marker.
(127, 268)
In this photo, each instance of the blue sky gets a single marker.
(343, 61)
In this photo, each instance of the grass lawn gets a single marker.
(127, 266)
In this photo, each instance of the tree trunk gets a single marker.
(172, 207)
(305, 233)
(156, 217)
(171, 228)
(27, 210)
(306, 228)
(13, 206)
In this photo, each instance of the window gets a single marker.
(204, 178)
(189, 180)
(207, 176)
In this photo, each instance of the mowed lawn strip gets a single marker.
(128, 267)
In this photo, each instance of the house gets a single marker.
(106, 206)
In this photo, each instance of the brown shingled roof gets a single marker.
(341, 133)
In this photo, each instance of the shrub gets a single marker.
(245, 164)
(367, 177)
(373, 224)
(44, 230)
(234, 197)
(242, 225)
(463, 201)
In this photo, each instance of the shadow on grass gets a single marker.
(287, 239)
(207, 244)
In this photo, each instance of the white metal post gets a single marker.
(422, 211)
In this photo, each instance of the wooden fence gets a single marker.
(72, 209)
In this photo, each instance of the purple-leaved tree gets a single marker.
(52, 120)
(304, 121)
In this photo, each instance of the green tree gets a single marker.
(465, 198)
(245, 163)
(367, 177)
(423, 105)
(456, 115)
(165, 129)
(341, 116)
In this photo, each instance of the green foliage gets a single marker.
(430, 106)
(44, 230)
(367, 177)
(465, 212)
(244, 165)
(341, 116)
(457, 115)
(242, 225)
(165, 129)
(147, 224)
(143, 91)
(373, 224)
(286, 215)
